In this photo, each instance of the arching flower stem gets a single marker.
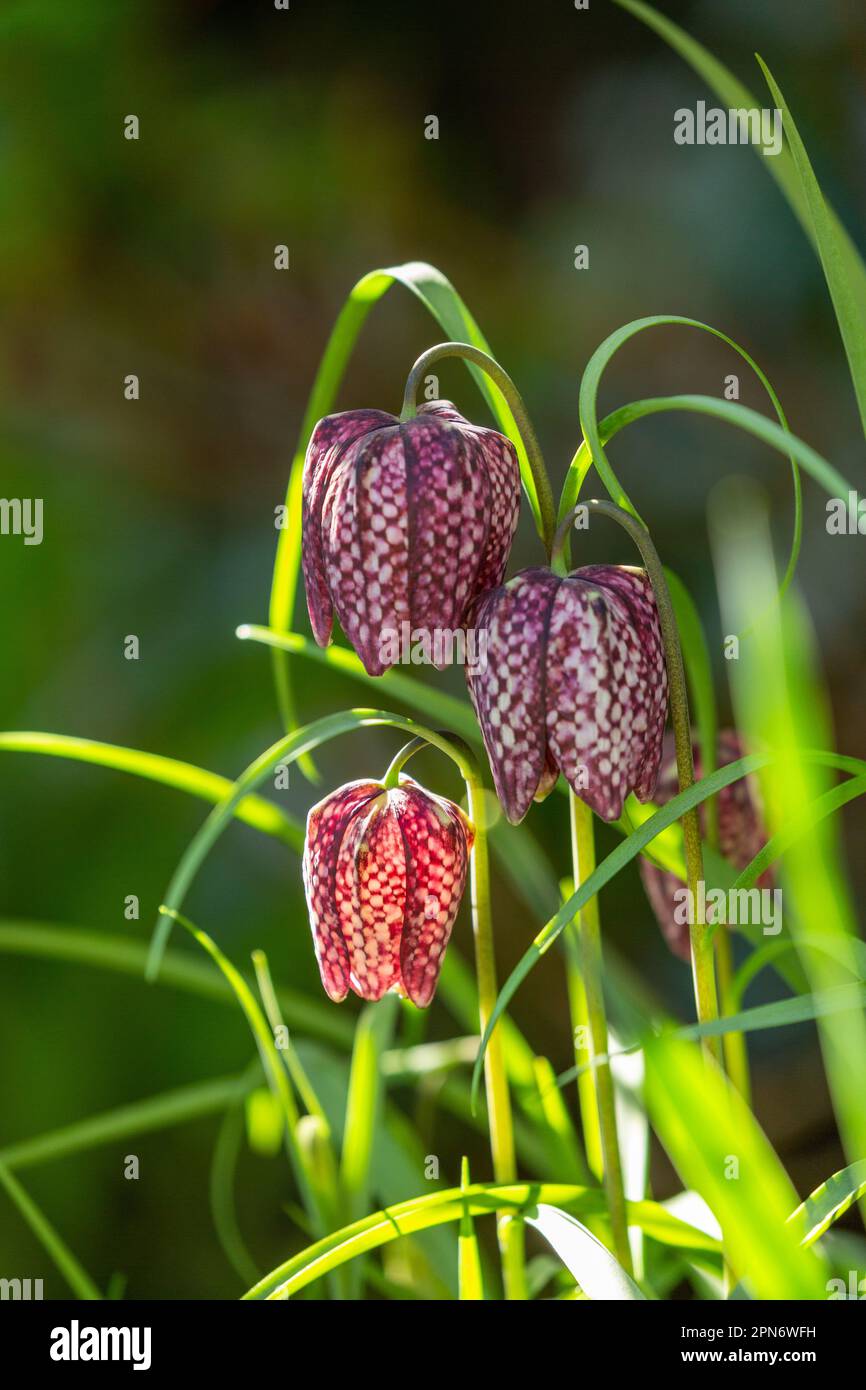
(546, 517)
(703, 963)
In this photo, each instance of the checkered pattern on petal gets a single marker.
(371, 898)
(404, 522)
(384, 873)
(495, 458)
(509, 693)
(326, 827)
(606, 686)
(437, 838)
(449, 506)
(328, 443)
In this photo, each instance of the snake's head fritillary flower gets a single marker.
(384, 872)
(741, 834)
(574, 682)
(403, 523)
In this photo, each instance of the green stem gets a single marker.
(736, 1051)
(510, 1229)
(703, 963)
(589, 928)
(501, 1125)
(501, 379)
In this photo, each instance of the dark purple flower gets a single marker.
(575, 682)
(384, 872)
(741, 835)
(403, 523)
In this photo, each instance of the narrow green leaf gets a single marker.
(831, 249)
(830, 1201)
(373, 1033)
(73, 1272)
(470, 1283)
(178, 969)
(222, 1178)
(592, 447)
(174, 1107)
(421, 1213)
(791, 171)
(591, 1263)
(719, 1151)
(255, 810)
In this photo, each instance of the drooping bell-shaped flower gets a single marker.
(403, 524)
(574, 682)
(384, 872)
(741, 835)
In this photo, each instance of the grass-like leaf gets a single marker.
(373, 1033)
(480, 1199)
(830, 1201)
(181, 971)
(832, 252)
(842, 263)
(719, 1151)
(70, 1267)
(592, 448)
(168, 772)
(593, 1266)
(470, 1281)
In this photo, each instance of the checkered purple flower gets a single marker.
(403, 523)
(384, 873)
(575, 682)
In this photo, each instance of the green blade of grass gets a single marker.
(470, 1281)
(168, 772)
(781, 705)
(592, 447)
(624, 853)
(443, 302)
(173, 1107)
(791, 171)
(73, 1272)
(277, 1076)
(437, 1208)
(719, 1151)
(832, 252)
(179, 970)
(373, 1032)
(830, 1201)
(221, 1188)
(593, 1266)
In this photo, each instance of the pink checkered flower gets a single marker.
(741, 834)
(384, 872)
(403, 523)
(575, 682)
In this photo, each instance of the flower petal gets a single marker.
(326, 827)
(437, 839)
(606, 686)
(328, 443)
(449, 500)
(509, 693)
(370, 895)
